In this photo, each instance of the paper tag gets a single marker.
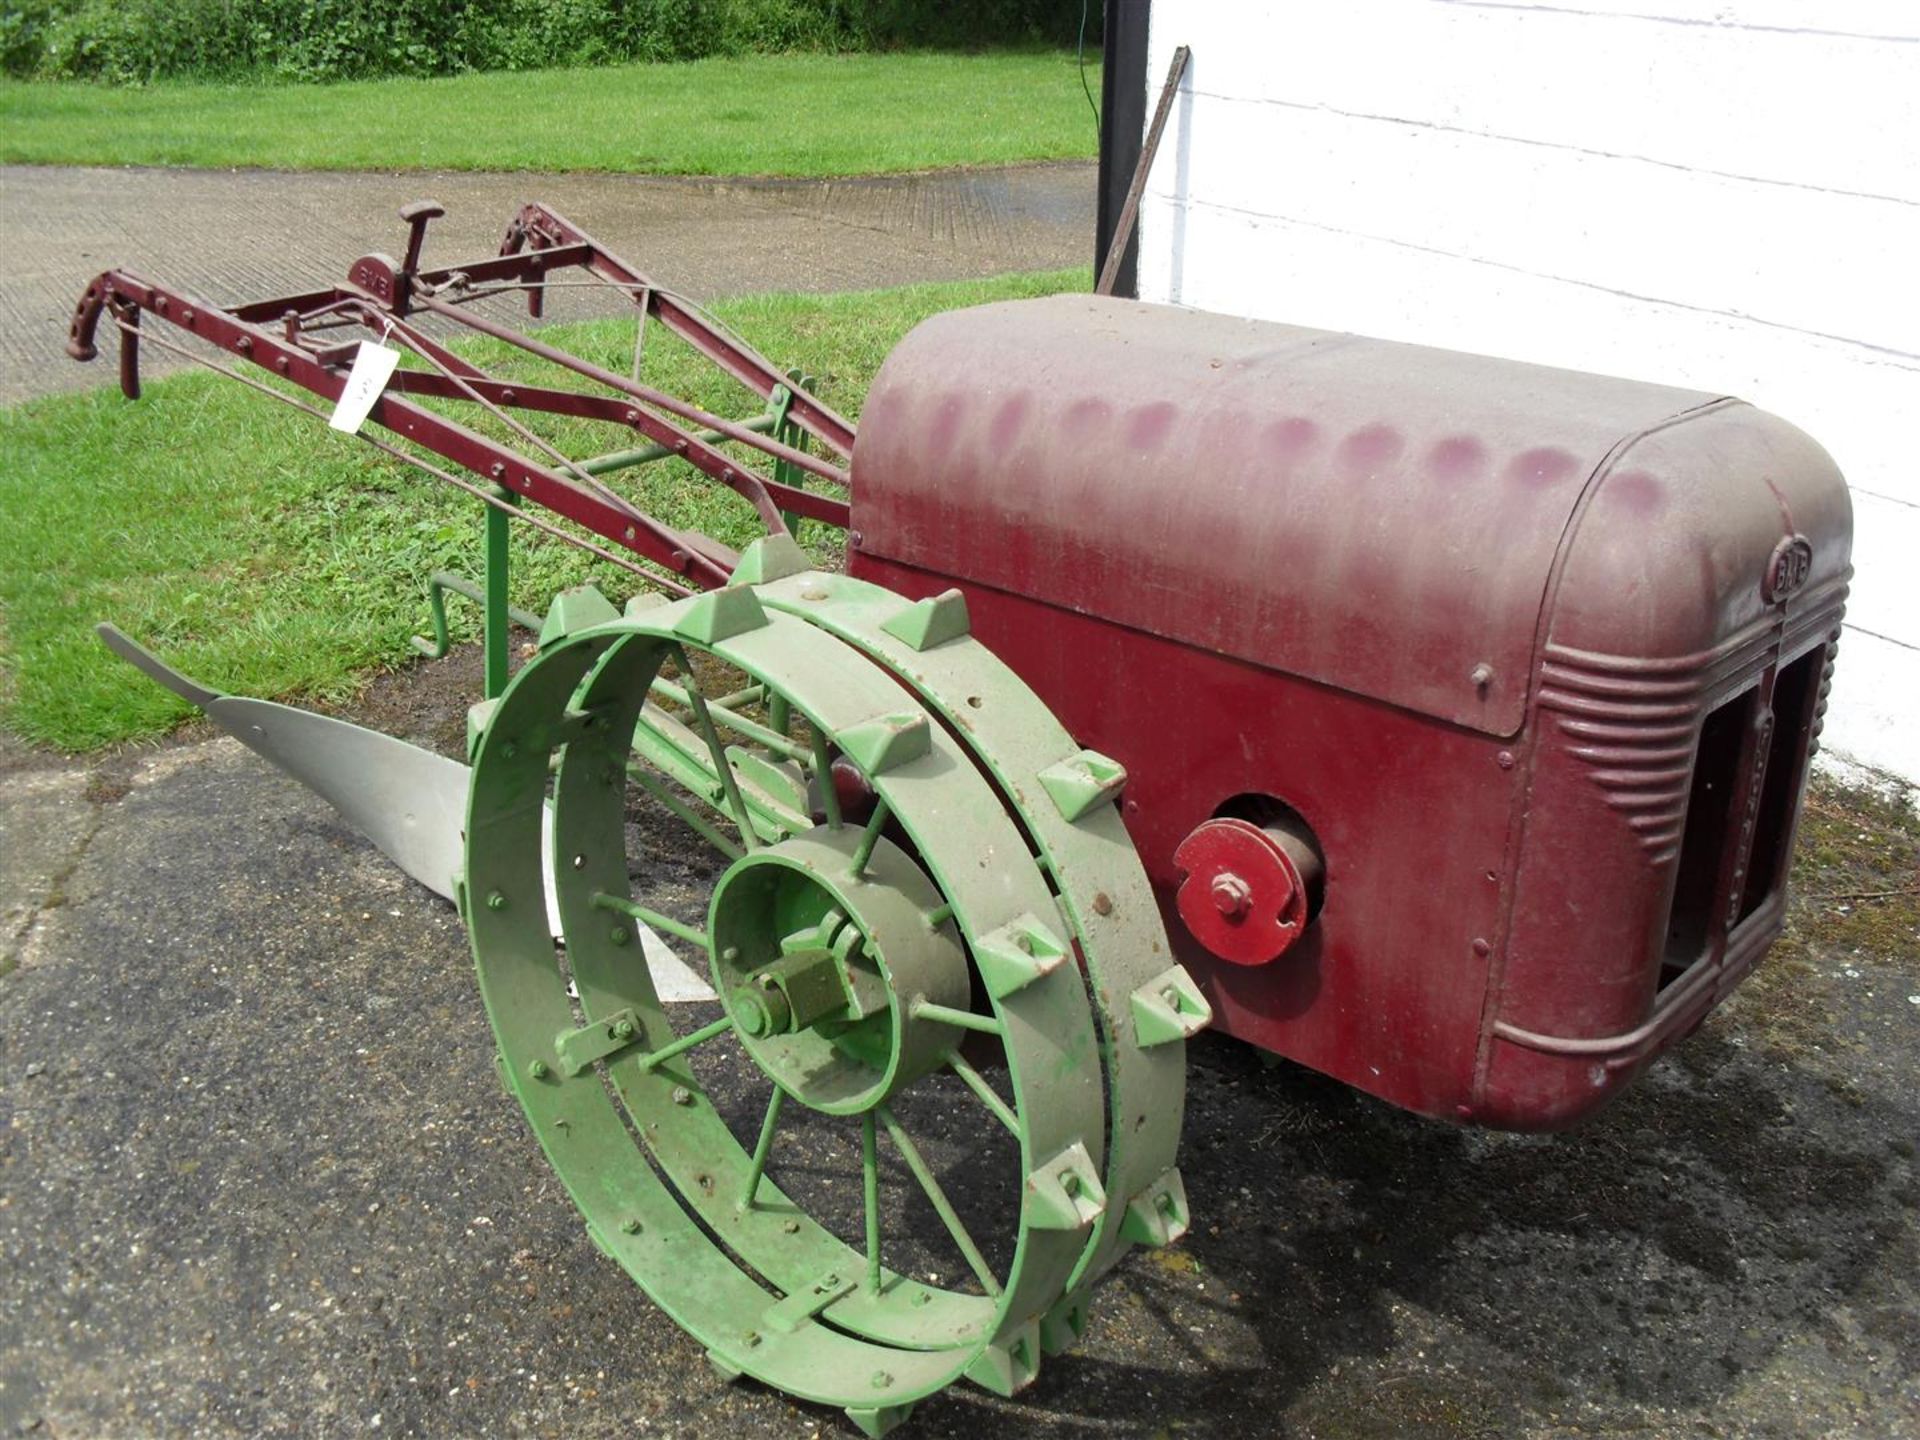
(373, 366)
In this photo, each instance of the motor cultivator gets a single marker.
(1437, 721)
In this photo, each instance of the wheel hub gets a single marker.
(821, 968)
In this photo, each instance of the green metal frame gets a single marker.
(498, 615)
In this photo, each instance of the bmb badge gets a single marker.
(1787, 568)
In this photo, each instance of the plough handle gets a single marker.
(83, 330)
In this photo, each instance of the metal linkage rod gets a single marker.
(640, 533)
(280, 335)
(697, 451)
(131, 330)
(551, 233)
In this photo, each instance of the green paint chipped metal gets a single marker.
(1065, 1193)
(577, 609)
(1158, 1215)
(886, 741)
(1009, 1368)
(1082, 782)
(1169, 1007)
(930, 622)
(718, 615)
(1017, 954)
(771, 557)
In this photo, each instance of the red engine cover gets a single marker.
(1536, 656)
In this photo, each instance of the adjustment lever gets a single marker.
(417, 213)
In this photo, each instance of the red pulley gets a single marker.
(1246, 892)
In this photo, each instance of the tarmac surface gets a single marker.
(258, 1176)
(247, 235)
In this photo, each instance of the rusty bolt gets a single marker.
(1232, 896)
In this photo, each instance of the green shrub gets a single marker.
(134, 41)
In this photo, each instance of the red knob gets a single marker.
(1243, 896)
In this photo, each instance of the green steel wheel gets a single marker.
(853, 960)
(1063, 798)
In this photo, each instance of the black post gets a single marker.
(1123, 121)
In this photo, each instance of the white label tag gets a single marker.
(373, 366)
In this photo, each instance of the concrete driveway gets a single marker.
(251, 234)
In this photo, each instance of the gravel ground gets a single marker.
(257, 1177)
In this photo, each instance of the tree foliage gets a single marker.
(134, 41)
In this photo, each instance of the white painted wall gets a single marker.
(1719, 194)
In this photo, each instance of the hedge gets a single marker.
(135, 41)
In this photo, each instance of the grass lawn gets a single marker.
(754, 115)
(268, 556)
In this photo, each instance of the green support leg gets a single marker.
(498, 622)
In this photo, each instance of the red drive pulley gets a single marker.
(1247, 891)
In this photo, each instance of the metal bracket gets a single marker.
(1169, 1007)
(879, 744)
(1065, 1193)
(578, 1049)
(1008, 1367)
(1158, 1215)
(1080, 782)
(930, 622)
(786, 1316)
(720, 615)
(1017, 954)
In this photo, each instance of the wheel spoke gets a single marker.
(870, 836)
(977, 1083)
(729, 782)
(746, 695)
(723, 715)
(870, 1190)
(707, 831)
(636, 911)
(679, 1046)
(763, 1147)
(965, 1019)
(823, 777)
(942, 1206)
